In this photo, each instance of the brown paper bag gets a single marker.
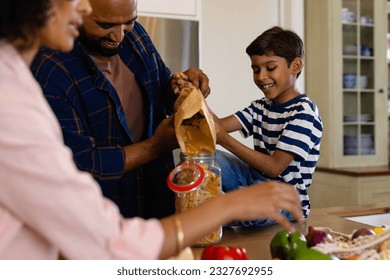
(194, 124)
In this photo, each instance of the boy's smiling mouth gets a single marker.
(267, 86)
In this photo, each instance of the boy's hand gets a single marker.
(220, 132)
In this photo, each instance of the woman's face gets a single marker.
(65, 18)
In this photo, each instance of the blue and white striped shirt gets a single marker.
(294, 127)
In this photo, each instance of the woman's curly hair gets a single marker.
(20, 18)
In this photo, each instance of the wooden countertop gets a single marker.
(257, 240)
(358, 171)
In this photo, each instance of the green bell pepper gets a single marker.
(292, 246)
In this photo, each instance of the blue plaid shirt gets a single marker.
(94, 124)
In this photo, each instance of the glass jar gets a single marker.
(195, 180)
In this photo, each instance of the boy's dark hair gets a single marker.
(20, 18)
(277, 41)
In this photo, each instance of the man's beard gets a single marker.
(95, 45)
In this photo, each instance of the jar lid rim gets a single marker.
(182, 188)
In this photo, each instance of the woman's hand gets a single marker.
(265, 200)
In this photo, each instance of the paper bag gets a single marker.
(194, 124)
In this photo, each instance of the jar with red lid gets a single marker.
(195, 180)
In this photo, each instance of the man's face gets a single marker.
(104, 29)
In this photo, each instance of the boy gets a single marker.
(285, 124)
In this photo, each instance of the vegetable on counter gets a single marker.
(315, 237)
(323, 243)
(362, 232)
(292, 246)
(214, 252)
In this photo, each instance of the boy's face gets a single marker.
(274, 78)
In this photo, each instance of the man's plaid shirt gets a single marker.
(94, 124)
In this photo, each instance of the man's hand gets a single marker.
(165, 137)
(162, 141)
(190, 77)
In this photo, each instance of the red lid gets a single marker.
(185, 177)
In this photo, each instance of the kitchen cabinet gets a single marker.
(350, 186)
(173, 9)
(346, 75)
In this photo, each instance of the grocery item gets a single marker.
(280, 245)
(311, 254)
(292, 246)
(224, 253)
(363, 247)
(195, 180)
(314, 237)
(322, 243)
(194, 124)
(362, 232)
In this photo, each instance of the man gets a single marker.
(111, 95)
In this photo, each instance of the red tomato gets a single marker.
(224, 253)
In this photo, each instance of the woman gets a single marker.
(47, 206)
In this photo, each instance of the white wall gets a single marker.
(227, 27)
